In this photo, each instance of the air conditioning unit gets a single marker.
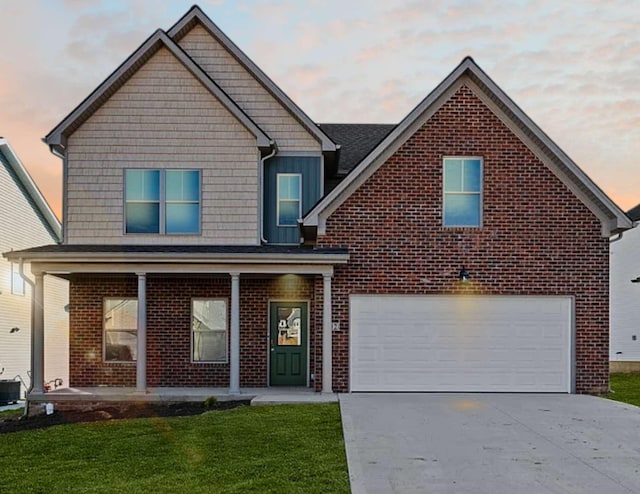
(9, 391)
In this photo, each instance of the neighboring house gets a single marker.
(215, 236)
(27, 221)
(625, 300)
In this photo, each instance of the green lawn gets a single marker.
(265, 449)
(626, 388)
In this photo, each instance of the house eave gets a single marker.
(612, 218)
(56, 139)
(52, 222)
(196, 15)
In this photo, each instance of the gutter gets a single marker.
(262, 240)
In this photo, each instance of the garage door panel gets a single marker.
(464, 343)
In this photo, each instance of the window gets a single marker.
(289, 199)
(209, 330)
(17, 282)
(120, 329)
(162, 201)
(462, 191)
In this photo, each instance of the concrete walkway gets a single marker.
(490, 443)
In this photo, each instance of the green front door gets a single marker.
(288, 343)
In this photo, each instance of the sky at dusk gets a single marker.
(573, 67)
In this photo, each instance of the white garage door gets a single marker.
(461, 343)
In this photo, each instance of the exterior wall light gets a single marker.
(14, 330)
(463, 275)
(636, 280)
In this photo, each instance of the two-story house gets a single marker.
(28, 221)
(215, 236)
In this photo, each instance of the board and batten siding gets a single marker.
(310, 167)
(247, 92)
(162, 118)
(23, 227)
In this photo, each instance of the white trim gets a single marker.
(480, 193)
(278, 200)
(613, 219)
(195, 13)
(57, 137)
(327, 335)
(32, 189)
(234, 344)
(141, 358)
(104, 331)
(226, 331)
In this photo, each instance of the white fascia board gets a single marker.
(582, 180)
(612, 217)
(57, 138)
(175, 258)
(389, 145)
(196, 13)
(32, 189)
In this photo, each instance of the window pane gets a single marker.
(120, 346)
(182, 185)
(183, 218)
(462, 210)
(289, 213)
(143, 218)
(472, 172)
(209, 326)
(289, 187)
(453, 175)
(209, 346)
(17, 282)
(142, 185)
(120, 319)
(289, 326)
(120, 313)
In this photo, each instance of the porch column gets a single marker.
(141, 361)
(327, 343)
(37, 335)
(234, 357)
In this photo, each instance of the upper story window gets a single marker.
(462, 202)
(162, 201)
(289, 208)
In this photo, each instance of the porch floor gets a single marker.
(257, 396)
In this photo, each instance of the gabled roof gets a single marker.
(355, 140)
(57, 137)
(634, 213)
(195, 15)
(35, 197)
(612, 218)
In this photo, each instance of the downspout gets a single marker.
(28, 281)
(263, 241)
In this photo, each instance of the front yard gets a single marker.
(270, 449)
(625, 388)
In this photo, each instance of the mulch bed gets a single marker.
(140, 410)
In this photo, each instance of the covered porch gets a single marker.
(235, 266)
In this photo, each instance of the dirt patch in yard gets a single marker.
(106, 412)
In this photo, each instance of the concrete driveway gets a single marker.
(490, 443)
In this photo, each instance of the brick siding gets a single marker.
(537, 238)
(168, 329)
